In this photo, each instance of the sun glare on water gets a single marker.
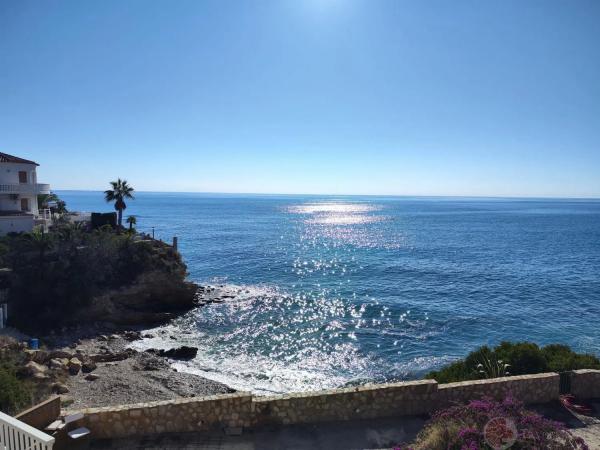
(336, 213)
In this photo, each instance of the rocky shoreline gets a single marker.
(94, 366)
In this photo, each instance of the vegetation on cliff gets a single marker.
(518, 358)
(74, 275)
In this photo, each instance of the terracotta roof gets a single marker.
(6, 158)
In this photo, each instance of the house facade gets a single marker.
(19, 189)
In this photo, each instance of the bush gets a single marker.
(521, 357)
(469, 427)
(14, 393)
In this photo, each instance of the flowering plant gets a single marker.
(488, 424)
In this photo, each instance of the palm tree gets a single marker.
(131, 220)
(119, 192)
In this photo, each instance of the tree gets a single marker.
(119, 192)
(131, 220)
(44, 201)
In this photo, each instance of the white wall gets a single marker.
(8, 203)
(17, 224)
(9, 173)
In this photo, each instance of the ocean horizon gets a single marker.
(339, 290)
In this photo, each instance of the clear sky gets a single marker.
(306, 96)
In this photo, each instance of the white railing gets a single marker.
(16, 435)
(45, 214)
(24, 188)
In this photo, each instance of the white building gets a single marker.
(18, 195)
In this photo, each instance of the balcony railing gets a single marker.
(25, 188)
(16, 435)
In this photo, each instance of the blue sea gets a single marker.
(345, 290)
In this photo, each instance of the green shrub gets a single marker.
(522, 358)
(14, 393)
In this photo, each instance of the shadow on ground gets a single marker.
(364, 434)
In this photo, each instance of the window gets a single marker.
(22, 176)
(24, 204)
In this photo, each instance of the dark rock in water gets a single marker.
(184, 352)
(132, 335)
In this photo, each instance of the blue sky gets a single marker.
(306, 96)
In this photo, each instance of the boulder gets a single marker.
(35, 370)
(59, 364)
(102, 338)
(88, 366)
(184, 352)
(38, 356)
(74, 366)
(60, 388)
(92, 377)
(132, 335)
(60, 354)
(110, 357)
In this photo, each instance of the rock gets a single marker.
(110, 357)
(34, 370)
(88, 366)
(132, 335)
(102, 338)
(38, 356)
(92, 377)
(184, 352)
(148, 336)
(149, 362)
(74, 366)
(60, 354)
(60, 388)
(59, 364)
(113, 337)
(40, 376)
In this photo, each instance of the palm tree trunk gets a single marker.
(120, 217)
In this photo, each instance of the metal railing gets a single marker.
(16, 435)
(24, 188)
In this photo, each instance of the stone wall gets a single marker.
(585, 383)
(364, 402)
(172, 416)
(538, 388)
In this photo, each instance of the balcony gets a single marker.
(25, 188)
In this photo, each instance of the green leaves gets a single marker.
(514, 358)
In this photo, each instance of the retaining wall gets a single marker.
(364, 402)
(585, 383)
(172, 416)
(42, 414)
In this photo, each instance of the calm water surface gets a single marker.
(339, 290)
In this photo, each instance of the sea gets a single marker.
(339, 291)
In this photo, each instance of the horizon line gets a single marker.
(271, 194)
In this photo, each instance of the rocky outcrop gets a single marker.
(184, 352)
(154, 298)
